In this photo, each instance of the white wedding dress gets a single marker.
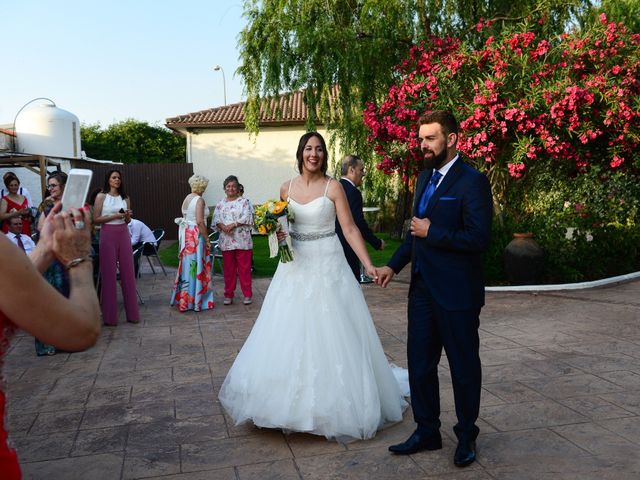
(313, 361)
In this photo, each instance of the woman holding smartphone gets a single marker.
(73, 323)
(112, 210)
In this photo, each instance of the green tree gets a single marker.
(132, 141)
(625, 11)
(344, 53)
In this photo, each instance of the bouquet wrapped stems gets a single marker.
(271, 217)
(284, 246)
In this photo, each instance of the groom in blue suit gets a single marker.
(449, 232)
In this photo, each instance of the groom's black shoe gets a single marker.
(465, 453)
(416, 443)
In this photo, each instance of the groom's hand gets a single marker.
(420, 227)
(385, 274)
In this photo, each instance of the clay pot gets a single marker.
(523, 260)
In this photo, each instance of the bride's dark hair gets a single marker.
(303, 142)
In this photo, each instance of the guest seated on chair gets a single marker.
(140, 233)
(16, 236)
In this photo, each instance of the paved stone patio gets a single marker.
(560, 400)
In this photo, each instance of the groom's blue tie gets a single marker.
(428, 192)
(424, 201)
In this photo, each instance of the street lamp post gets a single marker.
(224, 82)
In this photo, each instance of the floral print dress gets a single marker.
(192, 289)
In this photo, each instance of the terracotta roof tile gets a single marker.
(292, 111)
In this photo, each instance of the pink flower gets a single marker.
(616, 161)
(516, 170)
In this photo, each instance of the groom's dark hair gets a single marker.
(445, 118)
(303, 142)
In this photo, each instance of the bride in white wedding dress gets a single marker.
(313, 361)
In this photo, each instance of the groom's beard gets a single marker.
(435, 160)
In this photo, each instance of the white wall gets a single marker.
(261, 163)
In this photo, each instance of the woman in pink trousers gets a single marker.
(112, 210)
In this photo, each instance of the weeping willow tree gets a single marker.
(343, 53)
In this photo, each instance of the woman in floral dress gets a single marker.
(192, 289)
(233, 218)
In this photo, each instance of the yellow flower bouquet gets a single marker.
(269, 218)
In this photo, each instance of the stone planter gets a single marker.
(523, 260)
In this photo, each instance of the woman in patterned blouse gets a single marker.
(233, 218)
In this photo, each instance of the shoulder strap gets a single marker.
(289, 191)
(326, 189)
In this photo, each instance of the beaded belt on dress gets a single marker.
(305, 237)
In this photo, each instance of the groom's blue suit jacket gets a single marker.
(449, 258)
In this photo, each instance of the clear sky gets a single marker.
(107, 61)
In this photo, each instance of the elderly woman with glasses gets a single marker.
(233, 218)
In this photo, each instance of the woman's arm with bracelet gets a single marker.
(35, 306)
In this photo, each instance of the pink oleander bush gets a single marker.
(566, 108)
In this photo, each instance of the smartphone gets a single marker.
(76, 188)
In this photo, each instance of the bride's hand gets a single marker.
(281, 234)
(372, 272)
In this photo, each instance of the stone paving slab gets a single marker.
(560, 400)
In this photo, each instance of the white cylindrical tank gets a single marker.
(48, 130)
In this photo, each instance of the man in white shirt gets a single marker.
(15, 234)
(140, 233)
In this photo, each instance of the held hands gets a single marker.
(419, 227)
(384, 276)
(372, 272)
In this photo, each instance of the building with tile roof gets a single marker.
(218, 145)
